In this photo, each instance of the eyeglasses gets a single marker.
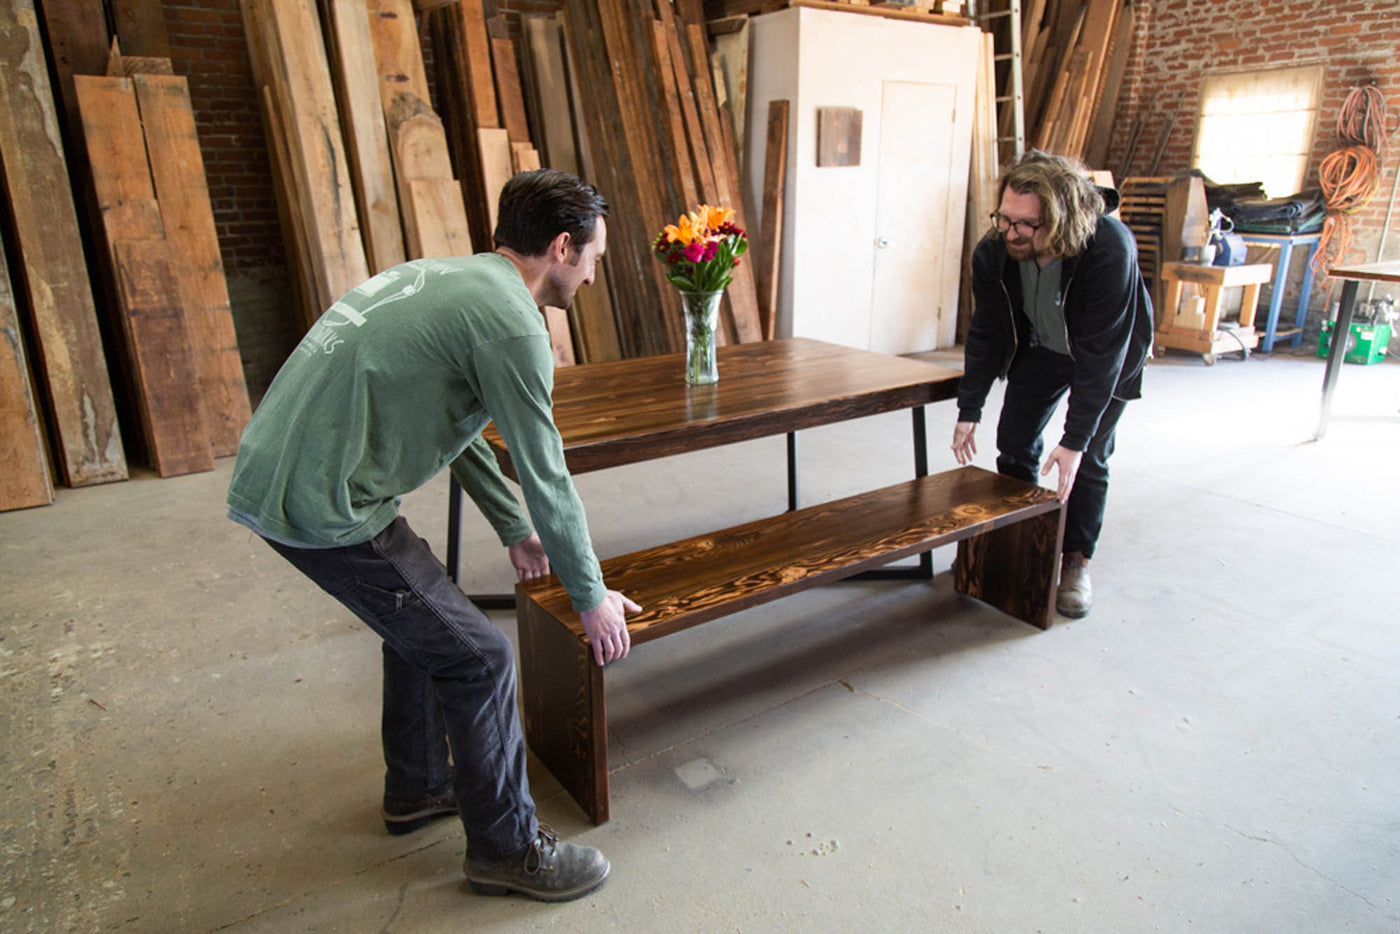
(1004, 223)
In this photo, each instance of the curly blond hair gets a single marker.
(1070, 204)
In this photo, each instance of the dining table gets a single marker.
(625, 411)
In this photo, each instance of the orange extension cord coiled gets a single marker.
(1350, 176)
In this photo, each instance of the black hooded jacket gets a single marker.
(1108, 324)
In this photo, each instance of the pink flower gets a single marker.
(694, 251)
(711, 249)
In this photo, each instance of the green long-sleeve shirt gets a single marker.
(395, 381)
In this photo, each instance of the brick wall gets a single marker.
(1176, 42)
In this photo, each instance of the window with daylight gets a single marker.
(1258, 126)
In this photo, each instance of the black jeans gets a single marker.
(1039, 378)
(449, 676)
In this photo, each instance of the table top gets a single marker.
(610, 414)
(1370, 272)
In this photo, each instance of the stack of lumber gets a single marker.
(165, 322)
(653, 132)
(1072, 60)
(659, 143)
(320, 220)
(50, 300)
(483, 95)
(553, 106)
(368, 172)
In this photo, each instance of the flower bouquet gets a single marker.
(700, 252)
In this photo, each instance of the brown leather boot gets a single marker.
(1076, 595)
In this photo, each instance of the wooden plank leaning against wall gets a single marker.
(289, 60)
(24, 469)
(164, 382)
(62, 318)
(177, 170)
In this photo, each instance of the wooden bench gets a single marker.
(1008, 534)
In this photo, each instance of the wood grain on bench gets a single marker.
(1008, 532)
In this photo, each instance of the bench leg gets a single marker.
(1014, 568)
(565, 715)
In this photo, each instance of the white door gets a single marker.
(916, 259)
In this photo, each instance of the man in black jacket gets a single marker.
(1059, 306)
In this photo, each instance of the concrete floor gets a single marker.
(189, 731)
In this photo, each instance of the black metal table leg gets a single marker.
(1335, 354)
(792, 470)
(924, 570)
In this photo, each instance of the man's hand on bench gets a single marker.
(606, 626)
(528, 558)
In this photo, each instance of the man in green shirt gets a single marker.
(394, 382)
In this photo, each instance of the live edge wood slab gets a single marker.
(1008, 534)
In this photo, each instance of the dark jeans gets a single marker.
(449, 677)
(1039, 378)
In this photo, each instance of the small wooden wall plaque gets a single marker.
(838, 136)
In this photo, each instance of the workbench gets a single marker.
(1200, 331)
(1285, 243)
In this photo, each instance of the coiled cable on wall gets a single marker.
(1351, 175)
(1361, 119)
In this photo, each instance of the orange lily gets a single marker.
(685, 230)
(713, 217)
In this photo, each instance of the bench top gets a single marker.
(692, 581)
(610, 414)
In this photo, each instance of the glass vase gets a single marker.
(701, 333)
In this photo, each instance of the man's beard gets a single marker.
(1020, 250)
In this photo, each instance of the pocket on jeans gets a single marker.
(383, 602)
(378, 585)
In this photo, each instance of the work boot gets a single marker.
(404, 815)
(546, 870)
(1076, 596)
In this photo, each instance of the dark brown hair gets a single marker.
(539, 205)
